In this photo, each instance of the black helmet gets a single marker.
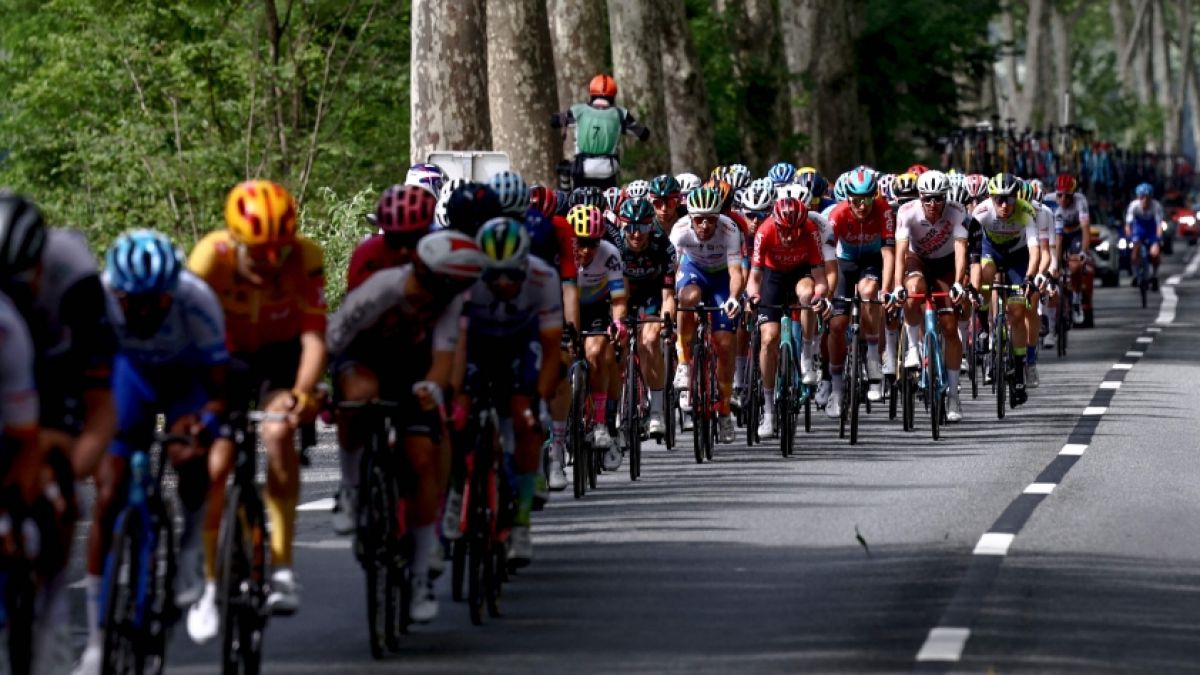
(22, 234)
(470, 206)
(592, 196)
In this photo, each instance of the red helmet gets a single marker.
(917, 169)
(544, 200)
(789, 214)
(1066, 183)
(405, 209)
(603, 86)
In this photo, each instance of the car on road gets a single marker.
(1110, 253)
(1182, 216)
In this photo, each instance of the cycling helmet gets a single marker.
(958, 193)
(1144, 190)
(724, 190)
(638, 189)
(636, 210)
(22, 234)
(453, 257)
(976, 184)
(839, 187)
(815, 183)
(512, 191)
(759, 196)
(918, 169)
(262, 212)
(1066, 183)
(664, 186)
(591, 196)
(782, 173)
(736, 202)
(1024, 191)
(563, 198)
(441, 216)
(954, 178)
(470, 206)
(544, 200)
(612, 199)
(430, 176)
(505, 242)
(704, 201)
(887, 183)
(404, 209)
(719, 172)
(587, 221)
(1038, 191)
(863, 181)
(933, 183)
(687, 182)
(789, 214)
(793, 191)
(603, 86)
(905, 186)
(141, 262)
(739, 176)
(804, 170)
(1003, 184)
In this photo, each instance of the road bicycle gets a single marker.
(854, 374)
(931, 374)
(1002, 356)
(703, 392)
(585, 460)
(635, 395)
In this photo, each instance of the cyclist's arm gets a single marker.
(631, 126)
(754, 284)
(889, 264)
(737, 280)
(19, 406)
(962, 249)
(901, 263)
(84, 309)
(1031, 243)
(570, 298)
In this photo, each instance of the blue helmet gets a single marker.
(1144, 190)
(782, 173)
(140, 262)
(862, 181)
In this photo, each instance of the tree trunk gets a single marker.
(1186, 67)
(449, 78)
(1031, 88)
(752, 26)
(1164, 84)
(636, 28)
(520, 70)
(1119, 11)
(838, 142)
(689, 119)
(1143, 76)
(578, 31)
(796, 32)
(1010, 102)
(1060, 38)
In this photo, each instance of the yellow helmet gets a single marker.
(261, 213)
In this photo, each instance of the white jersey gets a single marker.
(1045, 221)
(715, 254)
(191, 334)
(603, 277)
(382, 295)
(18, 393)
(537, 307)
(825, 232)
(931, 240)
(1007, 234)
(1067, 219)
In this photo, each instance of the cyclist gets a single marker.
(603, 303)
(931, 247)
(429, 176)
(710, 272)
(414, 308)
(270, 282)
(864, 230)
(1010, 241)
(470, 206)
(649, 260)
(598, 128)
(788, 261)
(666, 196)
(687, 183)
(404, 212)
(1143, 218)
(1044, 218)
(754, 206)
(1072, 230)
(782, 173)
(172, 359)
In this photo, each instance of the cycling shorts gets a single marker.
(140, 394)
(595, 316)
(850, 272)
(646, 298)
(396, 377)
(507, 365)
(254, 375)
(714, 290)
(779, 288)
(1146, 234)
(1014, 263)
(1072, 242)
(939, 271)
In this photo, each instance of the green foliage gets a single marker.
(339, 223)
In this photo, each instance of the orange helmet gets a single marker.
(722, 187)
(261, 212)
(603, 86)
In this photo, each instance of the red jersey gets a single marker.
(857, 238)
(371, 255)
(566, 249)
(770, 252)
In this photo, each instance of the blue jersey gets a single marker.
(191, 336)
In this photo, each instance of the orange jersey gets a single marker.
(277, 311)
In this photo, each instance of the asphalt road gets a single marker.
(752, 563)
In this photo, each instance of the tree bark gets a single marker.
(635, 29)
(1186, 68)
(837, 142)
(1164, 85)
(449, 78)
(1118, 10)
(1011, 99)
(796, 32)
(689, 120)
(1031, 89)
(520, 70)
(1143, 76)
(579, 34)
(1060, 38)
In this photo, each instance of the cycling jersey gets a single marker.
(537, 307)
(825, 232)
(380, 307)
(371, 255)
(931, 240)
(1045, 221)
(601, 279)
(552, 240)
(862, 238)
(192, 334)
(18, 393)
(771, 253)
(654, 265)
(276, 312)
(1006, 234)
(1067, 219)
(1144, 223)
(715, 254)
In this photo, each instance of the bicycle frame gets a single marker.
(932, 379)
(703, 382)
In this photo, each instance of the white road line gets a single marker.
(1154, 329)
(1145, 339)
(1192, 266)
(1094, 410)
(1135, 354)
(1039, 488)
(1122, 366)
(1174, 279)
(1110, 384)
(82, 583)
(324, 544)
(944, 644)
(318, 505)
(994, 543)
(1166, 311)
(1074, 449)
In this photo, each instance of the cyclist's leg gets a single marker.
(283, 478)
(650, 354)
(356, 381)
(805, 340)
(872, 320)
(914, 282)
(724, 334)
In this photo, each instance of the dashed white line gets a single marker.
(1074, 449)
(1174, 279)
(1166, 311)
(1135, 354)
(1122, 366)
(318, 505)
(994, 543)
(1110, 384)
(1040, 488)
(1154, 329)
(944, 644)
(1094, 410)
(1145, 340)
(324, 544)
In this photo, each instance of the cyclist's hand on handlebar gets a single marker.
(957, 292)
(823, 308)
(732, 307)
(618, 331)
(898, 296)
(428, 395)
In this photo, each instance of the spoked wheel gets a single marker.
(699, 404)
(754, 393)
(669, 393)
(630, 417)
(159, 603)
(1000, 371)
(399, 599)
(242, 573)
(372, 543)
(936, 403)
(713, 396)
(855, 379)
(783, 402)
(578, 445)
(121, 572)
(890, 384)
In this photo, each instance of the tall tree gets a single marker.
(449, 78)
(838, 141)
(796, 34)
(689, 120)
(520, 66)
(635, 29)
(578, 31)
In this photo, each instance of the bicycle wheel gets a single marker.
(575, 431)
(242, 537)
(754, 395)
(783, 401)
(714, 395)
(669, 393)
(933, 381)
(458, 569)
(856, 379)
(399, 599)
(372, 540)
(698, 400)
(629, 412)
(122, 571)
(1000, 369)
(1143, 285)
(159, 604)
(972, 355)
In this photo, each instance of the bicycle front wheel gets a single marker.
(855, 379)
(783, 402)
(575, 430)
(122, 573)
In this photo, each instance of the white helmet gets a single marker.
(759, 197)
(688, 182)
(793, 191)
(452, 255)
(739, 176)
(638, 189)
(933, 183)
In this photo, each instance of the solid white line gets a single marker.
(1122, 366)
(1073, 449)
(1166, 311)
(1136, 354)
(1110, 384)
(325, 544)
(944, 644)
(994, 543)
(318, 505)
(1145, 340)
(1174, 279)
(1154, 329)
(1094, 410)
(1040, 488)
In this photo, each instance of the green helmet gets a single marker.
(664, 186)
(636, 210)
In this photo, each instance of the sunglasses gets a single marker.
(586, 243)
(491, 276)
(757, 215)
(861, 200)
(663, 201)
(1003, 199)
(638, 228)
(705, 220)
(933, 199)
